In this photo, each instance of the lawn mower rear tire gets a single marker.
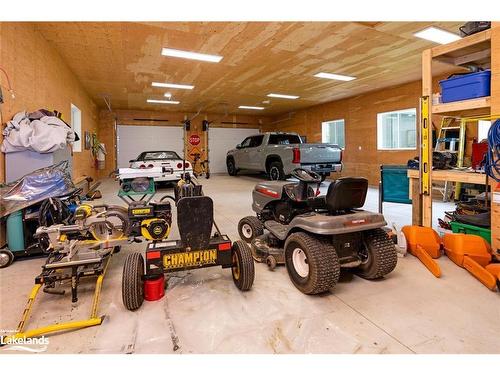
(312, 263)
(382, 256)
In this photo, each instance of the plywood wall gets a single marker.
(107, 134)
(41, 79)
(361, 157)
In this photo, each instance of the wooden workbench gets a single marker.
(438, 175)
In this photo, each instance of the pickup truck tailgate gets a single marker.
(311, 153)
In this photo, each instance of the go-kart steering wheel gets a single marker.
(304, 175)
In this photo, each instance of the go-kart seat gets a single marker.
(195, 219)
(344, 194)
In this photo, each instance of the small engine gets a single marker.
(152, 221)
(155, 229)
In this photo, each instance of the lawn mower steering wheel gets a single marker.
(304, 175)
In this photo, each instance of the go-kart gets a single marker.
(315, 236)
(196, 248)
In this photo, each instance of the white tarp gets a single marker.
(44, 135)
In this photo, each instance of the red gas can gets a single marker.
(154, 289)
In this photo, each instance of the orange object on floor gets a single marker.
(427, 238)
(480, 273)
(459, 245)
(494, 269)
(427, 260)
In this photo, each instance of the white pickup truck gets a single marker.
(278, 154)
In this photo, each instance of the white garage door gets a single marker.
(132, 140)
(220, 141)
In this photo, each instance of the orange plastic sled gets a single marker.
(425, 244)
(474, 254)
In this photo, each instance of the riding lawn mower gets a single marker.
(315, 236)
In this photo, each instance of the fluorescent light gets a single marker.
(250, 107)
(338, 77)
(283, 96)
(437, 35)
(162, 101)
(172, 85)
(190, 55)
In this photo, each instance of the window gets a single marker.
(155, 155)
(333, 132)
(76, 125)
(246, 142)
(284, 139)
(397, 130)
(483, 128)
(256, 141)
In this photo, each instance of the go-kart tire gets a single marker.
(381, 256)
(132, 281)
(243, 270)
(6, 258)
(323, 177)
(276, 172)
(323, 267)
(249, 228)
(231, 167)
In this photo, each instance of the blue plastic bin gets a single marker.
(463, 87)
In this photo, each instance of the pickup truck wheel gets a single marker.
(250, 227)
(276, 171)
(231, 167)
(312, 263)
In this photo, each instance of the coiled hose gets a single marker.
(53, 211)
(492, 166)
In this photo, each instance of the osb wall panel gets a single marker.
(107, 132)
(361, 157)
(123, 58)
(41, 79)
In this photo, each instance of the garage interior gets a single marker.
(382, 85)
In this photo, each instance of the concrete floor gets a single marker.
(409, 311)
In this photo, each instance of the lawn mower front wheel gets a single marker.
(243, 268)
(132, 281)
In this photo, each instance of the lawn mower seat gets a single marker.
(195, 219)
(343, 194)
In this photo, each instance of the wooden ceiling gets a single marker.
(122, 59)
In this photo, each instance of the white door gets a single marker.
(220, 141)
(132, 140)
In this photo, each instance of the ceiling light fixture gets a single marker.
(283, 96)
(190, 55)
(162, 101)
(338, 77)
(437, 35)
(172, 85)
(251, 107)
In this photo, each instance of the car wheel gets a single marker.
(231, 167)
(276, 171)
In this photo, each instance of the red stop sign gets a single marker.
(194, 139)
